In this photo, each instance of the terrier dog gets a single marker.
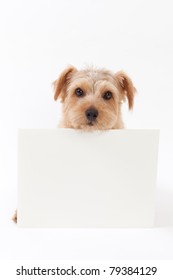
(92, 99)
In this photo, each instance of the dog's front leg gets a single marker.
(14, 218)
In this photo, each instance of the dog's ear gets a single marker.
(61, 83)
(127, 88)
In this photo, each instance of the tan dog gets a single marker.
(92, 99)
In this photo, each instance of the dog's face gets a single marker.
(92, 98)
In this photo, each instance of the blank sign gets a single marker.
(69, 178)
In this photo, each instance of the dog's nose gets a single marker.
(91, 114)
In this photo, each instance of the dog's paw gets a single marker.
(14, 218)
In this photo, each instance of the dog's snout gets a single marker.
(91, 114)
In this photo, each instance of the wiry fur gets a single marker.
(94, 83)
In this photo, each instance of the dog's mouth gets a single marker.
(90, 123)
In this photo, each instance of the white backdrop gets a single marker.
(38, 39)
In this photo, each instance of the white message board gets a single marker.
(69, 178)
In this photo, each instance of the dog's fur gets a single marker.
(92, 110)
(94, 83)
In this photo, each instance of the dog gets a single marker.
(92, 99)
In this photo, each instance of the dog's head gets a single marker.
(92, 98)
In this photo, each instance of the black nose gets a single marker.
(91, 114)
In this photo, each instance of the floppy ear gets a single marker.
(127, 88)
(61, 83)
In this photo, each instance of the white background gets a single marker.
(38, 39)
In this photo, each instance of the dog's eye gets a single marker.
(79, 92)
(107, 95)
